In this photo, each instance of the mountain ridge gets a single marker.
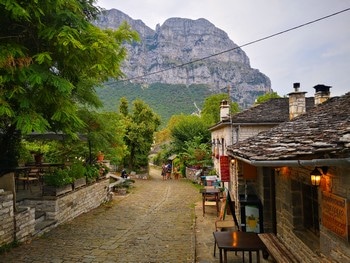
(183, 51)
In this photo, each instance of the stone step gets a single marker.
(39, 216)
(44, 226)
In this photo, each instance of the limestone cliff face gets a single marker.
(177, 48)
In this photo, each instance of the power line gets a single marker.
(244, 45)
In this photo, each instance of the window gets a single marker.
(310, 208)
(306, 213)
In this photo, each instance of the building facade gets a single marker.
(280, 167)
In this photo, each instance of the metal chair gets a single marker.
(28, 176)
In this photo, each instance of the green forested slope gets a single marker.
(165, 99)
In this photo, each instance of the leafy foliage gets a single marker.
(92, 172)
(105, 132)
(58, 178)
(186, 129)
(166, 100)
(43, 81)
(196, 153)
(140, 124)
(211, 108)
(77, 169)
(266, 97)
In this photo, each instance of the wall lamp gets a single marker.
(316, 175)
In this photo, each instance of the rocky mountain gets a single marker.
(185, 51)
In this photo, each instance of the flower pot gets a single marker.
(38, 158)
(100, 156)
(79, 183)
(49, 190)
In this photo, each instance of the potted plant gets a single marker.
(77, 172)
(91, 173)
(37, 150)
(58, 182)
(100, 156)
(102, 168)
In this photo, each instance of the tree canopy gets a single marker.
(186, 129)
(51, 60)
(266, 97)
(141, 122)
(211, 108)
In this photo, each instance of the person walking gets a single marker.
(164, 171)
(176, 173)
(168, 171)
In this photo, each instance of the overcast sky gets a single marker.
(315, 54)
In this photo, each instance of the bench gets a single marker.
(278, 251)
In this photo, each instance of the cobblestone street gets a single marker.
(155, 222)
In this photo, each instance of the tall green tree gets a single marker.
(105, 132)
(186, 129)
(211, 108)
(140, 125)
(51, 60)
(196, 153)
(267, 96)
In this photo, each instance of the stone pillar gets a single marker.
(297, 104)
(322, 93)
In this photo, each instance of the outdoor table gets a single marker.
(210, 192)
(238, 241)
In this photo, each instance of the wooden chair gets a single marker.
(223, 224)
(28, 176)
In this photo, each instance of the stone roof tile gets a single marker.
(279, 107)
(324, 129)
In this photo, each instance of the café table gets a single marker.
(212, 194)
(238, 241)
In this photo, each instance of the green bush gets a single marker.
(91, 172)
(58, 178)
(77, 170)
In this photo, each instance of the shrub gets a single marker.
(58, 178)
(91, 172)
(77, 170)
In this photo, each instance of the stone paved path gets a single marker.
(155, 223)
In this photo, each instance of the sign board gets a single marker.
(224, 168)
(335, 214)
(252, 219)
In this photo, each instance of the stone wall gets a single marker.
(20, 225)
(25, 223)
(192, 174)
(330, 247)
(6, 218)
(286, 220)
(65, 208)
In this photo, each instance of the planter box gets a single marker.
(79, 182)
(56, 191)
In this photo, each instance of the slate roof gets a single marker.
(261, 114)
(322, 132)
(272, 111)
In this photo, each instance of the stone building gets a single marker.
(280, 168)
(233, 129)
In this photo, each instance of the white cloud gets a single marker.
(317, 53)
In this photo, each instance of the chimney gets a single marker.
(322, 93)
(224, 110)
(297, 104)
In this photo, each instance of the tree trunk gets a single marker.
(9, 144)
